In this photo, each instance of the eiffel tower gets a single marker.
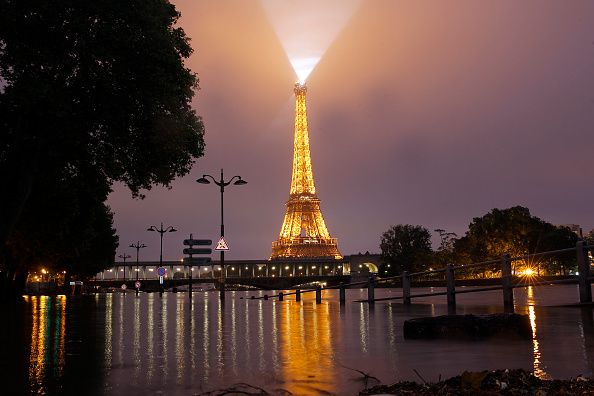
(304, 233)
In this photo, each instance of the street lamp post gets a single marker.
(124, 257)
(161, 231)
(137, 246)
(222, 184)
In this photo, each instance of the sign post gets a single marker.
(193, 261)
(161, 271)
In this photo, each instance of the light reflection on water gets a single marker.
(539, 370)
(165, 344)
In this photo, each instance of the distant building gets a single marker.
(575, 228)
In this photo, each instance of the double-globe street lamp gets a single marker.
(124, 257)
(161, 231)
(137, 246)
(222, 184)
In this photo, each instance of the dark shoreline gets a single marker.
(495, 382)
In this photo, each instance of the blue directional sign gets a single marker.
(161, 271)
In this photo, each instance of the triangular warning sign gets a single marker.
(222, 244)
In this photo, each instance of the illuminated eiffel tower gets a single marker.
(304, 233)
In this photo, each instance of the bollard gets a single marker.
(265, 296)
(405, 287)
(253, 297)
(298, 295)
(371, 290)
(318, 295)
(280, 296)
(451, 286)
(506, 282)
(342, 294)
(585, 286)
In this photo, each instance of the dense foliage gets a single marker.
(91, 92)
(512, 231)
(516, 232)
(405, 247)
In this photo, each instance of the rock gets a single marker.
(468, 326)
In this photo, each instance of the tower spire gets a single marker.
(304, 232)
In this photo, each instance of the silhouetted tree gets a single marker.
(516, 232)
(445, 252)
(93, 90)
(65, 227)
(405, 247)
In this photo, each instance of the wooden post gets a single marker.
(342, 294)
(405, 287)
(298, 295)
(318, 295)
(280, 296)
(584, 273)
(451, 286)
(371, 290)
(506, 282)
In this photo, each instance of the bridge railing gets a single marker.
(506, 280)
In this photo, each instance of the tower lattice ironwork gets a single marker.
(304, 232)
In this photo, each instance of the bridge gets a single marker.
(262, 274)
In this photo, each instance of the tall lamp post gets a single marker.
(161, 231)
(124, 257)
(138, 246)
(222, 184)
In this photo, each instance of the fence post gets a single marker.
(451, 286)
(405, 287)
(298, 295)
(342, 294)
(280, 296)
(584, 271)
(506, 283)
(371, 290)
(318, 295)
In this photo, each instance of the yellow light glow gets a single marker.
(43, 271)
(304, 232)
(528, 272)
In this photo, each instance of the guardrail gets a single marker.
(584, 281)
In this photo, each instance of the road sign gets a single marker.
(197, 251)
(222, 244)
(161, 271)
(124, 287)
(199, 242)
(137, 284)
(197, 260)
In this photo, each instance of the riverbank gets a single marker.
(497, 382)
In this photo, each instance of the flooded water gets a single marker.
(113, 344)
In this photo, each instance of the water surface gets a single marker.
(111, 344)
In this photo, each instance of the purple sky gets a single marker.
(420, 112)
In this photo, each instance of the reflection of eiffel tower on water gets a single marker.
(304, 233)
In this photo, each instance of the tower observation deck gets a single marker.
(303, 233)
